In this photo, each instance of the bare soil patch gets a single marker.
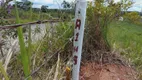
(97, 71)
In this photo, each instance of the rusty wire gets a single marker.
(30, 23)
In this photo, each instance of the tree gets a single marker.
(4, 8)
(126, 4)
(44, 8)
(99, 17)
(66, 4)
(25, 4)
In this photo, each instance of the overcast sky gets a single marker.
(137, 6)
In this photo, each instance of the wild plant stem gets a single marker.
(29, 39)
(3, 72)
(24, 54)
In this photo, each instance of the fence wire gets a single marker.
(42, 34)
(30, 23)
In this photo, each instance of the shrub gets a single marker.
(133, 17)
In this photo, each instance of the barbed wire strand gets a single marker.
(57, 52)
(30, 23)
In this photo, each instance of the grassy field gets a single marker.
(126, 37)
(25, 17)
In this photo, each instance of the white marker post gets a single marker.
(80, 16)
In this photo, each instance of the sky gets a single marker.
(137, 6)
(51, 3)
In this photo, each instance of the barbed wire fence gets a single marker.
(5, 37)
(43, 32)
(9, 46)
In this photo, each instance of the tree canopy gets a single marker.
(25, 4)
(44, 8)
(65, 4)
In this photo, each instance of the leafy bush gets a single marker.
(133, 17)
(98, 19)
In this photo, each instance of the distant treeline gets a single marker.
(140, 13)
(56, 10)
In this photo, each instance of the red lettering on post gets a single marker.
(76, 49)
(78, 24)
(75, 60)
(77, 34)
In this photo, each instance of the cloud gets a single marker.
(42, 1)
(116, 0)
(134, 9)
(50, 3)
(137, 6)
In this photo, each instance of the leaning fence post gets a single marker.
(80, 15)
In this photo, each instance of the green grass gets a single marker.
(24, 55)
(25, 17)
(3, 72)
(127, 38)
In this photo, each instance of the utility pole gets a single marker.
(80, 15)
(141, 12)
